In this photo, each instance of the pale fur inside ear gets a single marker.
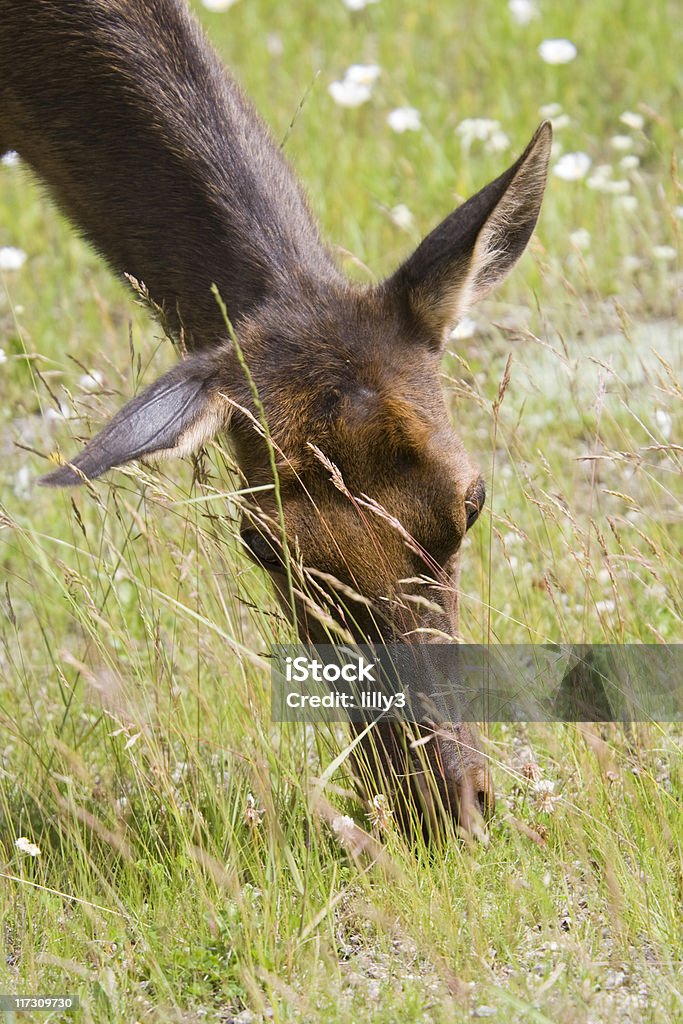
(214, 418)
(174, 416)
(440, 307)
(474, 248)
(505, 234)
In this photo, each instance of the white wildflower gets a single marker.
(23, 483)
(25, 845)
(572, 166)
(601, 181)
(404, 119)
(606, 606)
(603, 171)
(11, 258)
(498, 142)
(678, 212)
(557, 51)
(560, 122)
(274, 44)
(179, 771)
(402, 217)
(630, 264)
(91, 381)
(523, 11)
(344, 827)
(363, 74)
(545, 795)
(664, 253)
(218, 5)
(632, 120)
(355, 88)
(629, 162)
(358, 5)
(477, 129)
(65, 412)
(465, 329)
(664, 422)
(580, 239)
(628, 203)
(511, 538)
(550, 110)
(380, 814)
(621, 142)
(3, 356)
(10, 159)
(544, 786)
(348, 94)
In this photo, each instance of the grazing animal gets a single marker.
(151, 148)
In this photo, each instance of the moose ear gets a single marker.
(174, 416)
(474, 248)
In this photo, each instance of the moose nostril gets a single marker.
(261, 549)
(474, 501)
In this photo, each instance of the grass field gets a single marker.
(192, 866)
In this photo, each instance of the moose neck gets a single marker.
(176, 180)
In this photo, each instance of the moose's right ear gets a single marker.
(173, 416)
(474, 248)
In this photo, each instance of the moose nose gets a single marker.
(477, 799)
(475, 497)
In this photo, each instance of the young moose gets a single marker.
(125, 111)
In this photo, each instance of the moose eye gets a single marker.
(261, 549)
(474, 502)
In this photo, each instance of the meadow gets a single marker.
(182, 858)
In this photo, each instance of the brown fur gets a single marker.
(125, 111)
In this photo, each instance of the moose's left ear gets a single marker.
(174, 416)
(473, 249)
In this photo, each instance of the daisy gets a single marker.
(404, 119)
(557, 51)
